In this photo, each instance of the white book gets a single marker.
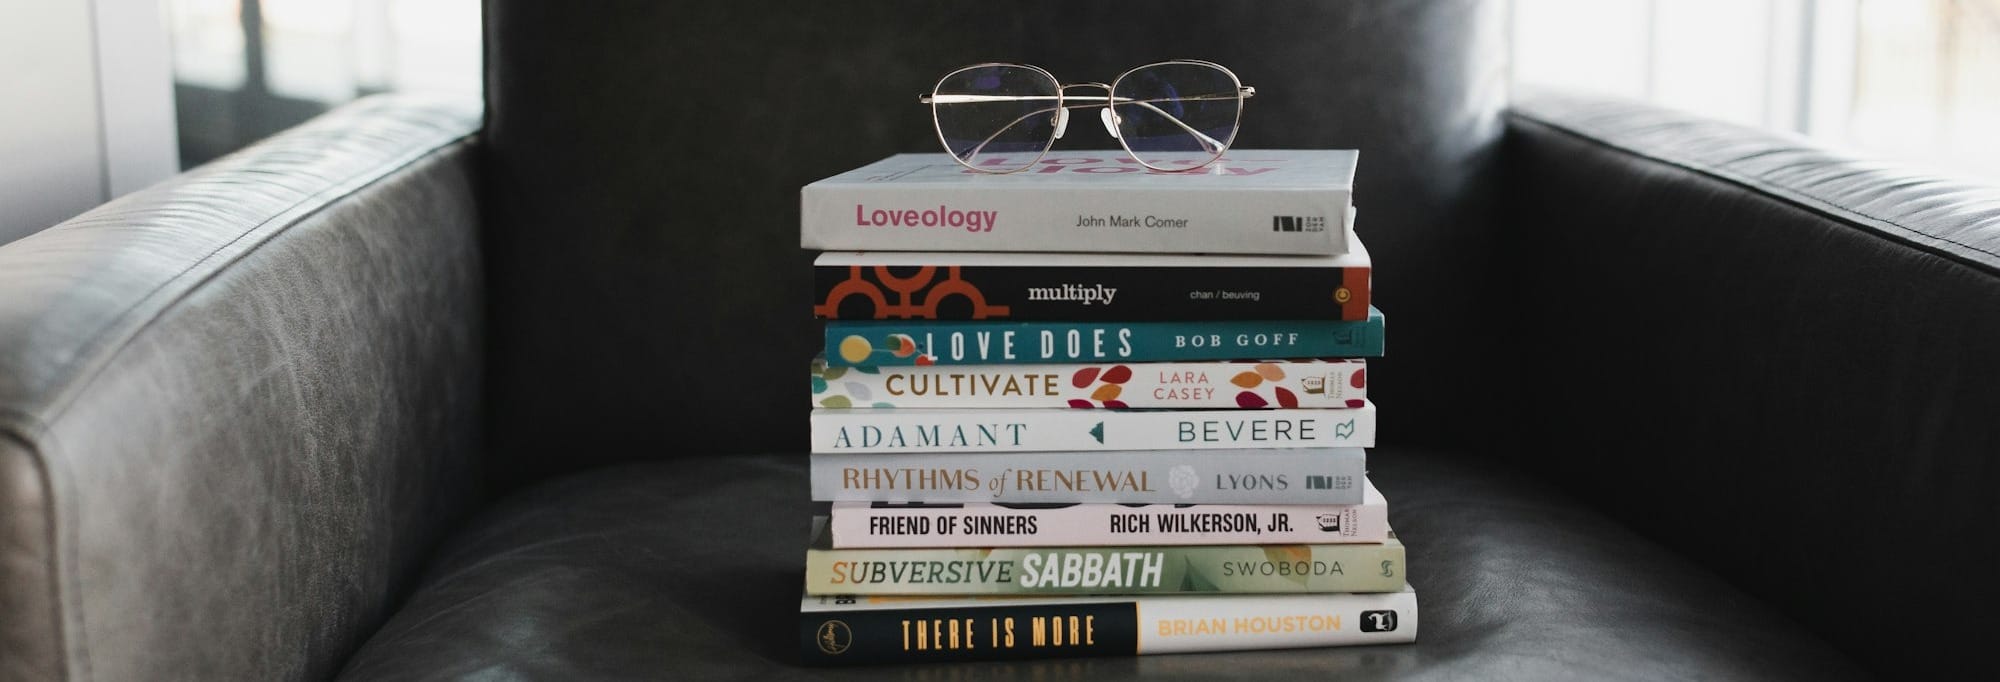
(1280, 202)
(862, 430)
(866, 525)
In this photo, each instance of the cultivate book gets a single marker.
(1279, 202)
(1331, 383)
(1317, 476)
(883, 343)
(890, 285)
(1273, 569)
(854, 630)
(1062, 429)
(862, 525)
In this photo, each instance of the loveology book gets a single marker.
(1062, 429)
(1310, 476)
(1279, 202)
(855, 630)
(1337, 383)
(904, 343)
(861, 525)
(889, 285)
(1280, 569)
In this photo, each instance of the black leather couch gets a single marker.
(412, 392)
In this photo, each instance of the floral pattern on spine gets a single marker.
(1263, 372)
(1110, 385)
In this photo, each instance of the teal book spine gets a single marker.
(903, 343)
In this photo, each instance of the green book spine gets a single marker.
(1241, 569)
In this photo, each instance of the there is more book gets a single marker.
(1278, 202)
(856, 630)
(1064, 429)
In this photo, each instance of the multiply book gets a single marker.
(885, 285)
(1315, 476)
(903, 343)
(1057, 429)
(854, 630)
(1283, 202)
(1290, 569)
(1336, 383)
(862, 525)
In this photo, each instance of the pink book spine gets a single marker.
(879, 525)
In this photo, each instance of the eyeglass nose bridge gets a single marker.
(1105, 115)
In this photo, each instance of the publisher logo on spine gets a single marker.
(1298, 223)
(834, 637)
(1314, 482)
(1378, 621)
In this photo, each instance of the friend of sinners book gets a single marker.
(862, 525)
(1333, 383)
(855, 630)
(1277, 202)
(889, 285)
(1060, 428)
(888, 343)
(1148, 569)
(1263, 476)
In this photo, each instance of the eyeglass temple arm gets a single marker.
(1211, 143)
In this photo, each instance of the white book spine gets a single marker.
(1306, 476)
(889, 217)
(866, 525)
(892, 430)
(1340, 383)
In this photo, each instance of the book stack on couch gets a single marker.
(1088, 409)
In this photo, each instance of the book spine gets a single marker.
(1317, 476)
(857, 630)
(1187, 385)
(885, 217)
(865, 525)
(1062, 429)
(1089, 294)
(1263, 569)
(886, 344)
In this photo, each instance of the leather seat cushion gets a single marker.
(691, 570)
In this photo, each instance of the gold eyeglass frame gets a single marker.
(1109, 116)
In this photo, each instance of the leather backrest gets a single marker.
(1777, 359)
(237, 408)
(649, 296)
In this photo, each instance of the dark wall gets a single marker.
(643, 160)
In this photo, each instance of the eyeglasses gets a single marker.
(1170, 116)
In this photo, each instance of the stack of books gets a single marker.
(1088, 409)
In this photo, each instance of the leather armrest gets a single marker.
(237, 408)
(1775, 357)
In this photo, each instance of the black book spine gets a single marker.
(977, 633)
(1084, 294)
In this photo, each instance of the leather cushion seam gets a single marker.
(291, 215)
(1823, 207)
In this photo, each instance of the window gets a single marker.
(244, 69)
(1917, 80)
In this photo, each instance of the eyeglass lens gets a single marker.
(1176, 114)
(1006, 132)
